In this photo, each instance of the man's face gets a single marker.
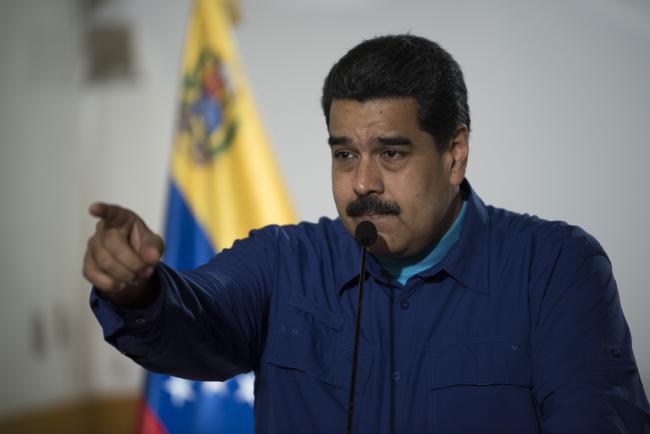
(387, 170)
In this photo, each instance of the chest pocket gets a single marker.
(481, 362)
(313, 341)
(491, 379)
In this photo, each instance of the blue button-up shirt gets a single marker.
(518, 329)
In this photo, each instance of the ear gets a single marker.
(458, 153)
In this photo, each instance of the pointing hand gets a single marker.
(121, 255)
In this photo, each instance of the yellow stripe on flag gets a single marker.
(227, 175)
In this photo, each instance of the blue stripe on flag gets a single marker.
(186, 406)
(187, 245)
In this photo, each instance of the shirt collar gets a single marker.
(466, 262)
(402, 269)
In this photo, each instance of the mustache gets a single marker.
(371, 205)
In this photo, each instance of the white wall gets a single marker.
(40, 198)
(559, 101)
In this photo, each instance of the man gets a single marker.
(475, 320)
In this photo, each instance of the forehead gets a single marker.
(399, 114)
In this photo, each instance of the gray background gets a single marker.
(560, 106)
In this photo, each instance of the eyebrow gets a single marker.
(337, 140)
(386, 141)
(394, 141)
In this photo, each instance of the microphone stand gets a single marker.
(357, 328)
(366, 235)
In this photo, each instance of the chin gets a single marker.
(381, 247)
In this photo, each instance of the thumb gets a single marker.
(147, 244)
(152, 249)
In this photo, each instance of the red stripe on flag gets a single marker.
(148, 422)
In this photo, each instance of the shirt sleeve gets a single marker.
(585, 375)
(205, 324)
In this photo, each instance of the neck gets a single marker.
(448, 219)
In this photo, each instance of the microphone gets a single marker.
(366, 235)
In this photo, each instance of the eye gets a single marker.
(392, 154)
(342, 155)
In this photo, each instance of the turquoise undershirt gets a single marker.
(403, 269)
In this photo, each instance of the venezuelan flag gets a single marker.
(224, 182)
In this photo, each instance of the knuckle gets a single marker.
(114, 239)
(130, 260)
(119, 272)
(109, 236)
(93, 277)
(107, 284)
(86, 263)
(104, 262)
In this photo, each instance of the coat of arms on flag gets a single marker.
(206, 107)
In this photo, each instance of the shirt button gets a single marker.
(139, 320)
(616, 352)
(396, 376)
(294, 331)
(404, 304)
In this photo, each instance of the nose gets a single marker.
(368, 178)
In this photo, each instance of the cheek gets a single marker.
(340, 194)
(422, 201)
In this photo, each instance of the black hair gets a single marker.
(395, 66)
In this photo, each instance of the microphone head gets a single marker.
(366, 233)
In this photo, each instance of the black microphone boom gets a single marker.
(366, 235)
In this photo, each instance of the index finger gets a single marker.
(98, 209)
(113, 214)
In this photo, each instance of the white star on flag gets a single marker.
(214, 388)
(180, 390)
(246, 388)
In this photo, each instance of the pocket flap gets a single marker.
(309, 305)
(300, 349)
(480, 362)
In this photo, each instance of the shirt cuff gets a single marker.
(114, 318)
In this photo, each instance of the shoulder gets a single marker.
(540, 234)
(303, 230)
(552, 259)
(325, 232)
(269, 247)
